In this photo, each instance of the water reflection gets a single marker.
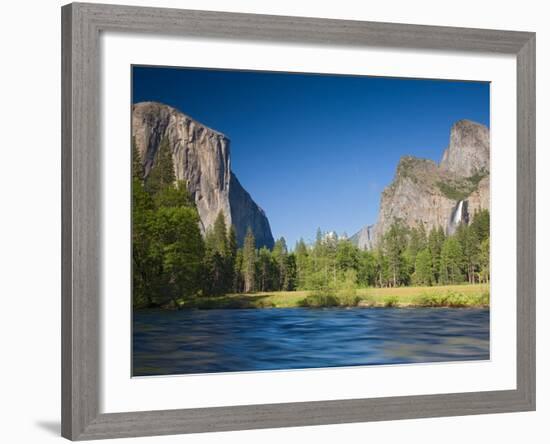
(206, 341)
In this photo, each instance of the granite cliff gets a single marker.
(201, 158)
(444, 194)
(468, 151)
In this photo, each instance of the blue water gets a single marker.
(207, 341)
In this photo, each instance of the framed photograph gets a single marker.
(282, 221)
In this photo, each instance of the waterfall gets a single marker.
(457, 213)
(458, 216)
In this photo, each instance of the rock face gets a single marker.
(245, 213)
(468, 150)
(201, 158)
(423, 192)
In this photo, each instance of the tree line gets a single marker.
(413, 256)
(172, 261)
(405, 256)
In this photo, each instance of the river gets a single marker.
(209, 341)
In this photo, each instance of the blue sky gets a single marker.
(317, 150)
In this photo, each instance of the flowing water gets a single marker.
(459, 216)
(206, 341)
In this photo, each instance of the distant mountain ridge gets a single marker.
(423, 192)
(201, 158)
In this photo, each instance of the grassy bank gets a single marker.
(439, 296)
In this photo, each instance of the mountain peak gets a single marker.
(469, 149)
(423, 192)
(414, 165)
(202, 160)
(153, 108)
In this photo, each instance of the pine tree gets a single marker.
(219, 264)
(395, 242)
(280, 253)
(469, 243)
(319, 259)
(451, 255)
(266, 276)
(178, 244)
(302, 263)
(221, 244)
(232, 241)
(231, 260)
(484, 260)
(383, 274)
(347, 256)
(318, 236)
(422, 236)
(249, 261)
(144, 266)
(238, 276)
(435, 243)
(366, 271)
(173, 196)
(163, 269)
(481, 224)
(162, 173)
(137, 164)
(423, 268)
(291, 272)
(417, 242)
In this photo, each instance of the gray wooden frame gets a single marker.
(81, 164)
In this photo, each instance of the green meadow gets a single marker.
(463, 295)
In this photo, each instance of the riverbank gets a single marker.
(465, 295)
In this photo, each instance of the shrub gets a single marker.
(346, 289)
(457, 300)
(349, 299)
(430, 300)
(452, 192)
(460, 189)
(339, 292)
(454, 299)
(391, 301)
(316, 300)
(483, 299)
